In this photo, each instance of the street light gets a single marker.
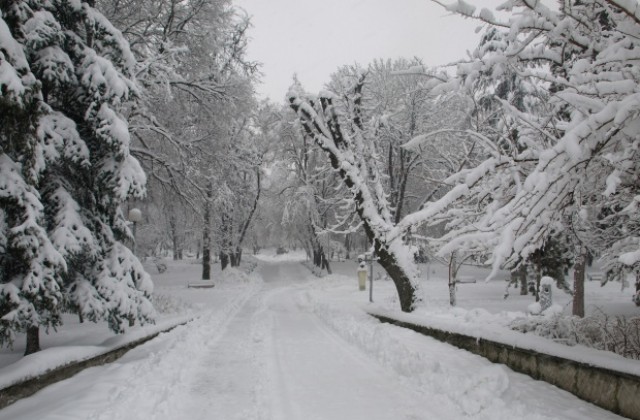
(135, 216)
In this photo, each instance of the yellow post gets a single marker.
(362, 279)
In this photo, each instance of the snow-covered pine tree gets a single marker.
(82, 170)
(30, 266)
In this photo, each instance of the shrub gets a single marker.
(600, 331)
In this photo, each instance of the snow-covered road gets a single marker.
(277, 351)
(315, 374)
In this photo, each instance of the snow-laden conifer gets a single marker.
(76, 163)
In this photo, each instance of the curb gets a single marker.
(28, 387)
(614, 391)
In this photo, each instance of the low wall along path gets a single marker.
(614, 391)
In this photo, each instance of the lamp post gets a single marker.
(135, 216)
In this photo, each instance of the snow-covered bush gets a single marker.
(168, 304)
(570, 163)
(600, 331)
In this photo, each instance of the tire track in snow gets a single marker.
(233, 377)
(162, 379)
(319, 375)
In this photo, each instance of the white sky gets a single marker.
(312, 38)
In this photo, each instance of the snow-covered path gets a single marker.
(276, 351)
(315, 374)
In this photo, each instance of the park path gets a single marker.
(268, 353)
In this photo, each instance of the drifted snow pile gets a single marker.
(478, 394)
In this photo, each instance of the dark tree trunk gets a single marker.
(175, 239)
(33, 340)
(325, 264)
(224, 260)
(225, 234)
(537, 264)
(206, 263)
(521, 274)
(453, 273)
(401, 188)
(324, 261)
(578, 283)
(236, 257)
(347, 246)
(316, 258)
(206, 235)
(637, 295)
(388, 261)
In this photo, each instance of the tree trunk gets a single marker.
(578, 283)
(224, 260)
(225, 234)
(33, 340)
(175, 241)
(347, 246)
(637, 294)
(453, 272)
(206, 235)
(236, 257)
(521, 273)
(538, 268)
(206, 263)
(404, 287)
(324, 261)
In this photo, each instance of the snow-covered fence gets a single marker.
(612, 390)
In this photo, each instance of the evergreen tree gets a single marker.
(68, 170)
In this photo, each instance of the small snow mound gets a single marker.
(478, 314)
(534, 308)
(270, 255)
(546, 280)
(553, 310)
(482, 389)
(233, 276)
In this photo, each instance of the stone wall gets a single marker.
(614, 391)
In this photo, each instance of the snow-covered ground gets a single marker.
(284, 344)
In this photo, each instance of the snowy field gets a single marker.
(284, 344)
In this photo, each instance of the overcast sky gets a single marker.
(312, 38)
